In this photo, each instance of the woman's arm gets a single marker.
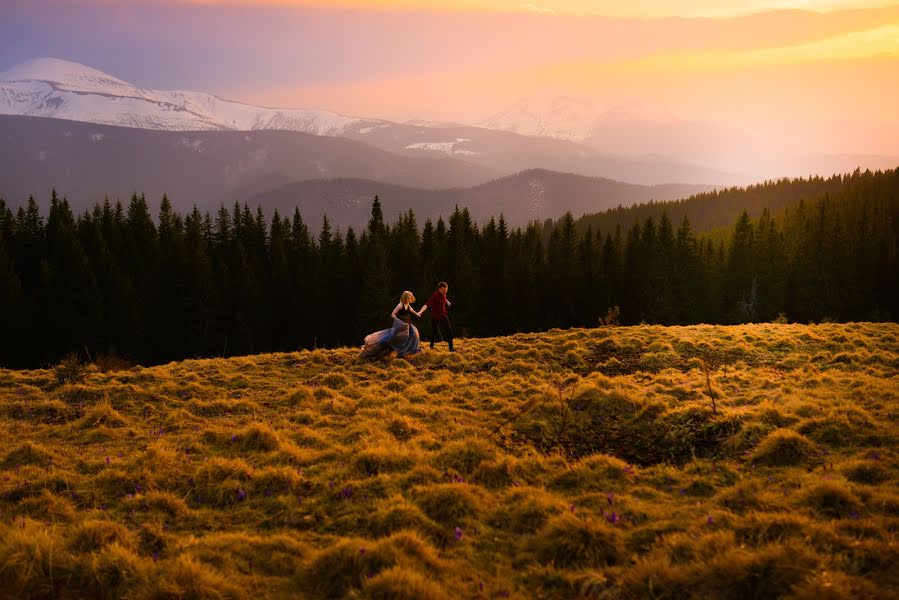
(396, 310)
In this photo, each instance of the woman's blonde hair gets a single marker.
(407, 297)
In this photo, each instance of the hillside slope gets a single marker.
(570, 463)
(722, 207)
(206, 168)
(533, 195)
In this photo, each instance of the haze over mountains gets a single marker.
(283, 169)
(91, 135)
(638, 128)
(59, 89)
(533, 195)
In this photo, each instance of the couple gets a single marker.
(403, 336)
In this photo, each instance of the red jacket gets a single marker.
(437, 305)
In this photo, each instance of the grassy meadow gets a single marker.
(578, 463)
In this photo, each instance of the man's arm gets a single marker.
(423, 309)
(448, 303)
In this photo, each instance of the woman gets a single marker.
(402, 337)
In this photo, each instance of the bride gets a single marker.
(401, 337)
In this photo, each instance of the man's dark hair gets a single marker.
(442, 284)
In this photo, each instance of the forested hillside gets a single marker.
(720, 208)
(114, 280)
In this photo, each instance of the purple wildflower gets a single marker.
(361, 550)
(853, 515)
(709, 520)
(107, 460)
(613, 518)
(233, 438)
(609, 497)
(571, 508)
(457, 533)
(241, 494)
(628, 470)
(155, 556)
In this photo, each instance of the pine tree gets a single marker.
(14, 316)
(377, 298)
(70, 297)
(740, 279)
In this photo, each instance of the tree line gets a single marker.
(720, 208)
(115, 280)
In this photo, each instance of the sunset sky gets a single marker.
(804, 75)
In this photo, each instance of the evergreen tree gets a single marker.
(377, 298)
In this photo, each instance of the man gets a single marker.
(439, 318)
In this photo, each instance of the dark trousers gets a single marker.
(444, 328)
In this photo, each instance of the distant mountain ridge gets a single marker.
(533, 195)
(284, 169)
(59, 89)
(87, 162)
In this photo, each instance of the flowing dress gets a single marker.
(402, 338)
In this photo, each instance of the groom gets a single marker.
(439, 318)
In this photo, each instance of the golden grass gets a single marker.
(580, 463)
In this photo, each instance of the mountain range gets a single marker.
(60, 89)
(91, 135)
(533, 195)
(283, 169)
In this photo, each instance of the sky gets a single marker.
(806, 75)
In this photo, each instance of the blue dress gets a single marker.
(402, 338)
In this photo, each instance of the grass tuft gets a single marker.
(567, 541)
(783, 448)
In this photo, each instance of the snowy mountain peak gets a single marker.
(550, 113)
(567, 115)
(50, 87)
(63, 73)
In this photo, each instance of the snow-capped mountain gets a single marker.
(49, 87)
(566, 115)
(544, 133)
(549, 113)
(633, 128)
